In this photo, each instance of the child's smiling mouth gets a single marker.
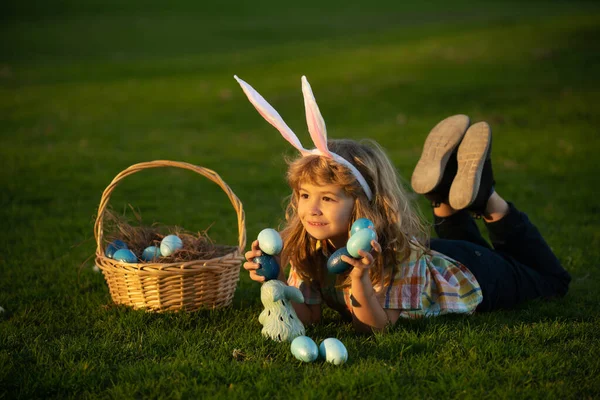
(317, 224)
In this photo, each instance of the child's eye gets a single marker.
(327, 198)
(303, 195)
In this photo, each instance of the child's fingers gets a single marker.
(255, 252)
(251, 266)
(366, 258)
(364, 261)
(376, 246)
(255, 277)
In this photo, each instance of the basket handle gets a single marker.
(212, 175)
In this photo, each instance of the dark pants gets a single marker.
(519, 267)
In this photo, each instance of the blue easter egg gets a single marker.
(270, 241)
(333, 351)
(170, 244)
(151, 253)
(304, 349)
(361, 240)
(361, 223)
(335, 264)
(125, 255)
(269, 268)
(113, 247)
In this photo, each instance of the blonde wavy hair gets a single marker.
(399, 226)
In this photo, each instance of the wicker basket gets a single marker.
(189, 285)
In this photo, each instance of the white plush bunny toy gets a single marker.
(279, 319)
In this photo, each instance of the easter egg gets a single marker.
(125, 255)
(269, 268)
(151, 253)
(361, 240)
(170, 244)
(113, 247)
(270, 241)
(333, 351)
(335, 264)
(304, 349)
(361, 223)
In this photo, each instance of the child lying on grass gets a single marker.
(407, 274)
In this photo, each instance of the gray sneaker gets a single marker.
(474, 181)
(435, 170)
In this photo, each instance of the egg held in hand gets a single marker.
(335, 264)
(270, 241)
(360, 224)
(361, 240)
(269, 268)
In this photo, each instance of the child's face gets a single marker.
(325, 212)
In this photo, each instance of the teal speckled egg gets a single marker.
(269, 268)
(151, 253)
(304, 349)
(125, 255)
(359, 224)
(361, 240)
(113, 247)
(335, 264)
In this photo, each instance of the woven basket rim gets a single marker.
(181, 265)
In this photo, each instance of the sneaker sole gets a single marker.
(471, 156)
(439, 145)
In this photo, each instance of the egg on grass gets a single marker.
(333, 351)
(304, 349)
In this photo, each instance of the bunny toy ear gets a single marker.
(314, 119)
(271, 115)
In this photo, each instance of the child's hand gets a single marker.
(251, 266)
(363, 264)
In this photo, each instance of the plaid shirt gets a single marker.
(424, 285)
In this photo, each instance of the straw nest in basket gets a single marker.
(196, 246)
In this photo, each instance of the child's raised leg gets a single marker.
(433, 177)
(521, 266)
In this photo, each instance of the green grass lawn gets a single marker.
(89, 88)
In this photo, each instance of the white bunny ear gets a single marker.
(270, 114)
(314, 119)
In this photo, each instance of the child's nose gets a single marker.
(315, 209)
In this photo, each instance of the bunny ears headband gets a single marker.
(316, 128)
